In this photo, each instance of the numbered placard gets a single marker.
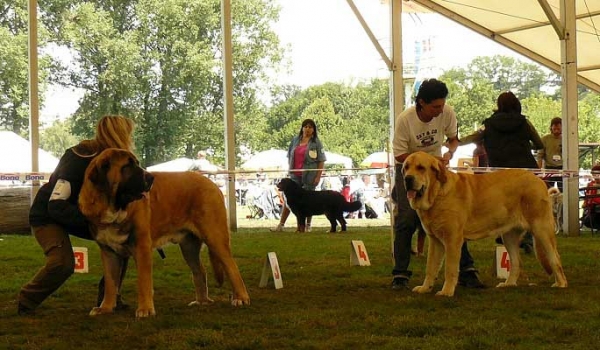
(502, 262)
(81, 259)
(358, 254)
(271, 268)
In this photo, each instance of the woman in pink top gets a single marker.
(306, 159)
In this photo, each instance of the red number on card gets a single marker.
(361, 253)
(79, 261)
(505, 261)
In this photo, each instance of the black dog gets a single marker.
(305, 203)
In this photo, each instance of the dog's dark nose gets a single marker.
(148, 181)
(409, 182)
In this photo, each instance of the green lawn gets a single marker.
(325, 302)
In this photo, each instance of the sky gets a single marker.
(326, 43)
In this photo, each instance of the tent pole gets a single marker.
(570, 136)
(34, 110)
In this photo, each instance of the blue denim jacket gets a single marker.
(314, 155)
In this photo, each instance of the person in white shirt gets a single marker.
(423, 127)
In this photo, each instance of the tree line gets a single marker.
(159, 62)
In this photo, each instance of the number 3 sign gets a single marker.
(81, 259)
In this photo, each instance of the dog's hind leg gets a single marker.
(511, 241)
(342, 221)
(332, 222)
(190, 247)
(219, 249)
(544, 241)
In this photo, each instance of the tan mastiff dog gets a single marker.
(129, 219)
(457, 207)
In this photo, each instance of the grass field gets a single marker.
(325, 302)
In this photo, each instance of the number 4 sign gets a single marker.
(358, 254)
(271, 267)
(502, 262)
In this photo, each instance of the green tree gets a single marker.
(351, 120)
(474, 90)
(160, 62)
(540, 109)
(57, 138)
(14, 76)
(473, 99)
(508, 73)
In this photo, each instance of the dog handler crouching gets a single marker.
(423, 127)
(55, 214)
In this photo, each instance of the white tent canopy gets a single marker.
(334, 158)
(181, 164)
(531, 28)
(275, 159)
(15, 155)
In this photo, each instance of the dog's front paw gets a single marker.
(100, 311)
(443, 293)
(143, 313)
(559, 285)
(200, 302)
(239, 301)
(504, 285)
(422, 289)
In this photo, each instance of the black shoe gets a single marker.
(23, 310)
(400, 283)
(499, 240)
(469, 279)
(528, 248)
(121, 305)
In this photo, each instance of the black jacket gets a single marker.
(508, 141)
(63, 212)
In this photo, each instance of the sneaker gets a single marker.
(400, 283)
(278, 228)
(469, 279)
(23, 310)
(308, 228)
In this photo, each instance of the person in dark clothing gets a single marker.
(509, 138)
(54, 214)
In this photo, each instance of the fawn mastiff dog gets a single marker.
(129, 219)
(457, 207)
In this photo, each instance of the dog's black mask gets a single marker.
(136, 182)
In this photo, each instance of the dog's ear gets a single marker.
(440, 171)
(98, 172)
(93, 198)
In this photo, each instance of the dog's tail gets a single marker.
(218, 268)
(351, 206)
(552, 191)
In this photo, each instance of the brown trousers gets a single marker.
(60, 264)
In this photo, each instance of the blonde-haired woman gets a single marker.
(55, 215)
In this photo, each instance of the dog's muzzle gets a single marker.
(411, 191)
